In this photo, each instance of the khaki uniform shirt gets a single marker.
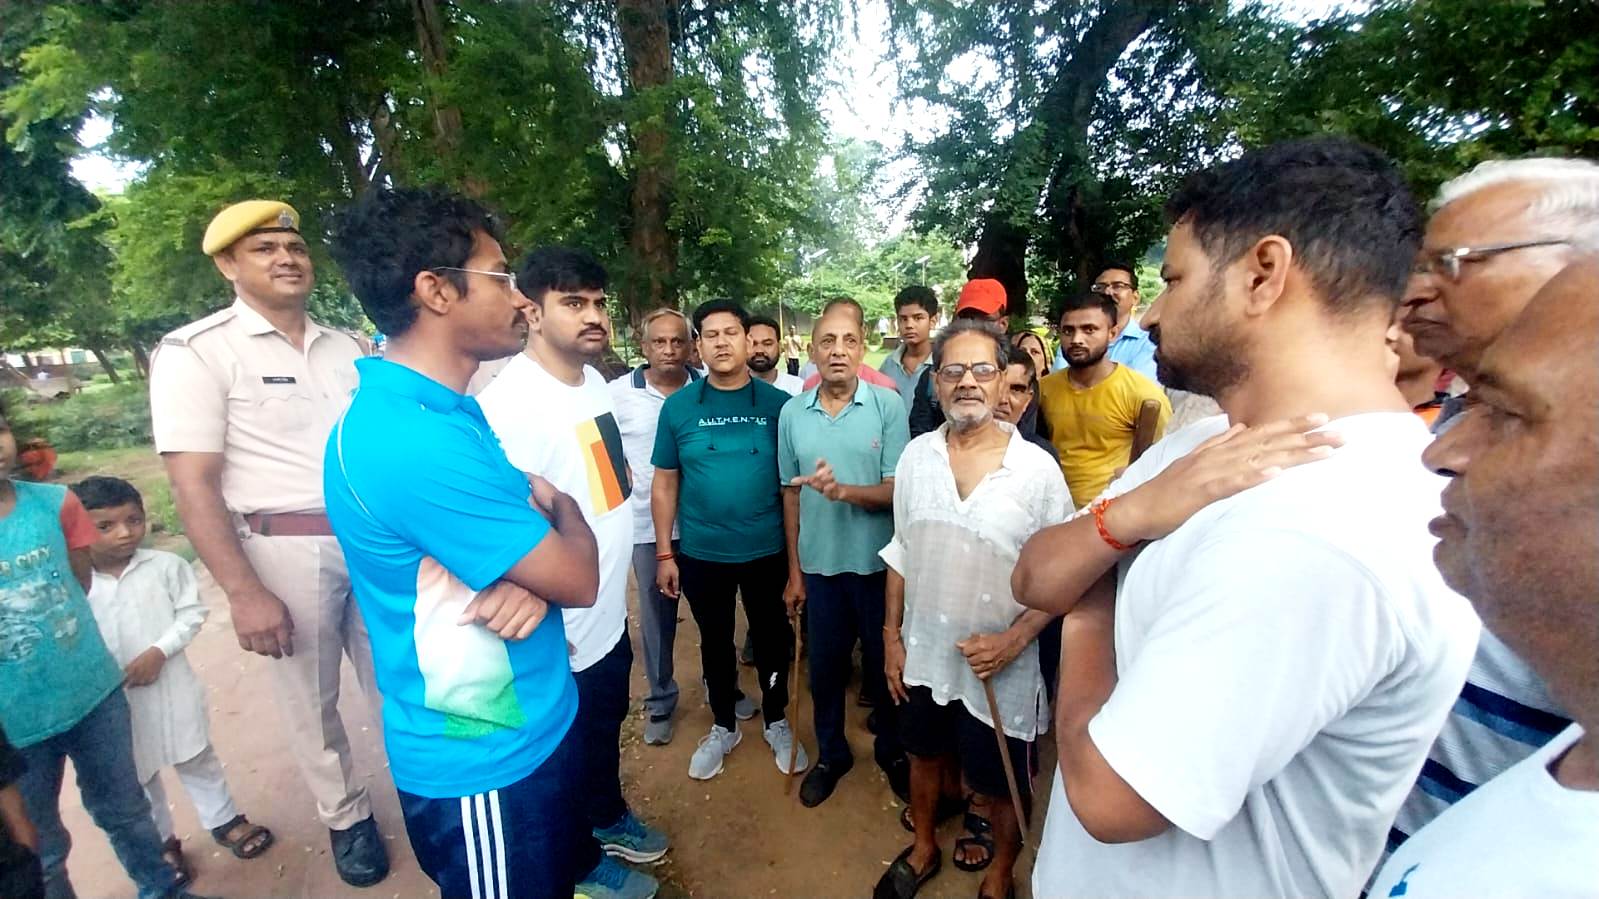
(233, 384)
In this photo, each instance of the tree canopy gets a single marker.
(682, 141)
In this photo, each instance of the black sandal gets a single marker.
(255, 841)
(947, 809)
(172, 854)
(979, 833)
(901, 881)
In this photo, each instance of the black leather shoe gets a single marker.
(358, 854)
(819, 783)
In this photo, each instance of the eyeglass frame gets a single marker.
(508, 277)
(1106, 287)
(964, 368)
(1446, 263)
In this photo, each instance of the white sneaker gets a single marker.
(780, 737)
(713, 748)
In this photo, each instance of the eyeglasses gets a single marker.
(1446, 263)
(506, 277)
(955, 371)
(1109, 286)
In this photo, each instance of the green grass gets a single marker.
(140, 466)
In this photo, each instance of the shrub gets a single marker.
(106, 418)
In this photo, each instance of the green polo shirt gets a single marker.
(723, 444)
(862, 444)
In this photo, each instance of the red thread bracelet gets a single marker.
(1098, 509)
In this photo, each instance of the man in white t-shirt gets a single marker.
(555, 418)
(1523, 542)
(1243, 708)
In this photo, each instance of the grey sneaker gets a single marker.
(658, 731)
(713, 748)
(611, 879)
(780, 737)
(744, 708)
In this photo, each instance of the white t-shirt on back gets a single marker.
(568, 436)
(1284, 660)
(1520, 834)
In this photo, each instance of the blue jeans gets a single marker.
(839, 609)
(101, 749)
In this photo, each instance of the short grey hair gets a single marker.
(1567, 191)
(971, 326)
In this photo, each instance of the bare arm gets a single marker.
(1107, 807)
(893, 646)
(663, 509)
(988, 654)
(867, 496)
(82, 567)
(260, 619)
(1058, 564)
(14, 818)
(564, 568)
(871, 498)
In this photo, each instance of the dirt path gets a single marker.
(736, 836)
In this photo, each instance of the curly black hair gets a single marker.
(385, 238)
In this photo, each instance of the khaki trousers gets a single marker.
(309, 575)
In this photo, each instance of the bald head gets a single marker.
(1520, 536)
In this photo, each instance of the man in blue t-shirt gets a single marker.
(716, 474)
(450, 548)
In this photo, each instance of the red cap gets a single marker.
(985, 295)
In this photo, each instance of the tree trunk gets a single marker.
(435, 56)
(105, 363)
(647, 50)
(141, 361)
(1059, 129)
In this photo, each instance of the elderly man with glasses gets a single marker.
(1497, 235)
(966, 497)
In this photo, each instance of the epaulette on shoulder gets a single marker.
(188, 332)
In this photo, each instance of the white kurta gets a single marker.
(156, 602)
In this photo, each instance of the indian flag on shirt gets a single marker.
(600, 441)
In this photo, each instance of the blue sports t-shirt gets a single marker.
(429, 512)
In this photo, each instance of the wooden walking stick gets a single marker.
(1004, 758)
(793, 713)
(1144, 428)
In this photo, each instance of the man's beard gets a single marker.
(760, 363)
(1215, 360)
(963, 422)
(1089, 361)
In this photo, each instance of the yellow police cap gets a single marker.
(248, 217)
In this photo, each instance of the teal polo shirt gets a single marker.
(723, 444)
(862, 444)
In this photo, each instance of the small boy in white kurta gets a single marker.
(147, 605)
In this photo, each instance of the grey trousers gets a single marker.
(657, 614)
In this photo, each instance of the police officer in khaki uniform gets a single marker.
(242, 403)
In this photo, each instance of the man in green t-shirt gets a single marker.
(716, 473)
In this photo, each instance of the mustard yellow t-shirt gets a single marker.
(1092, 429)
